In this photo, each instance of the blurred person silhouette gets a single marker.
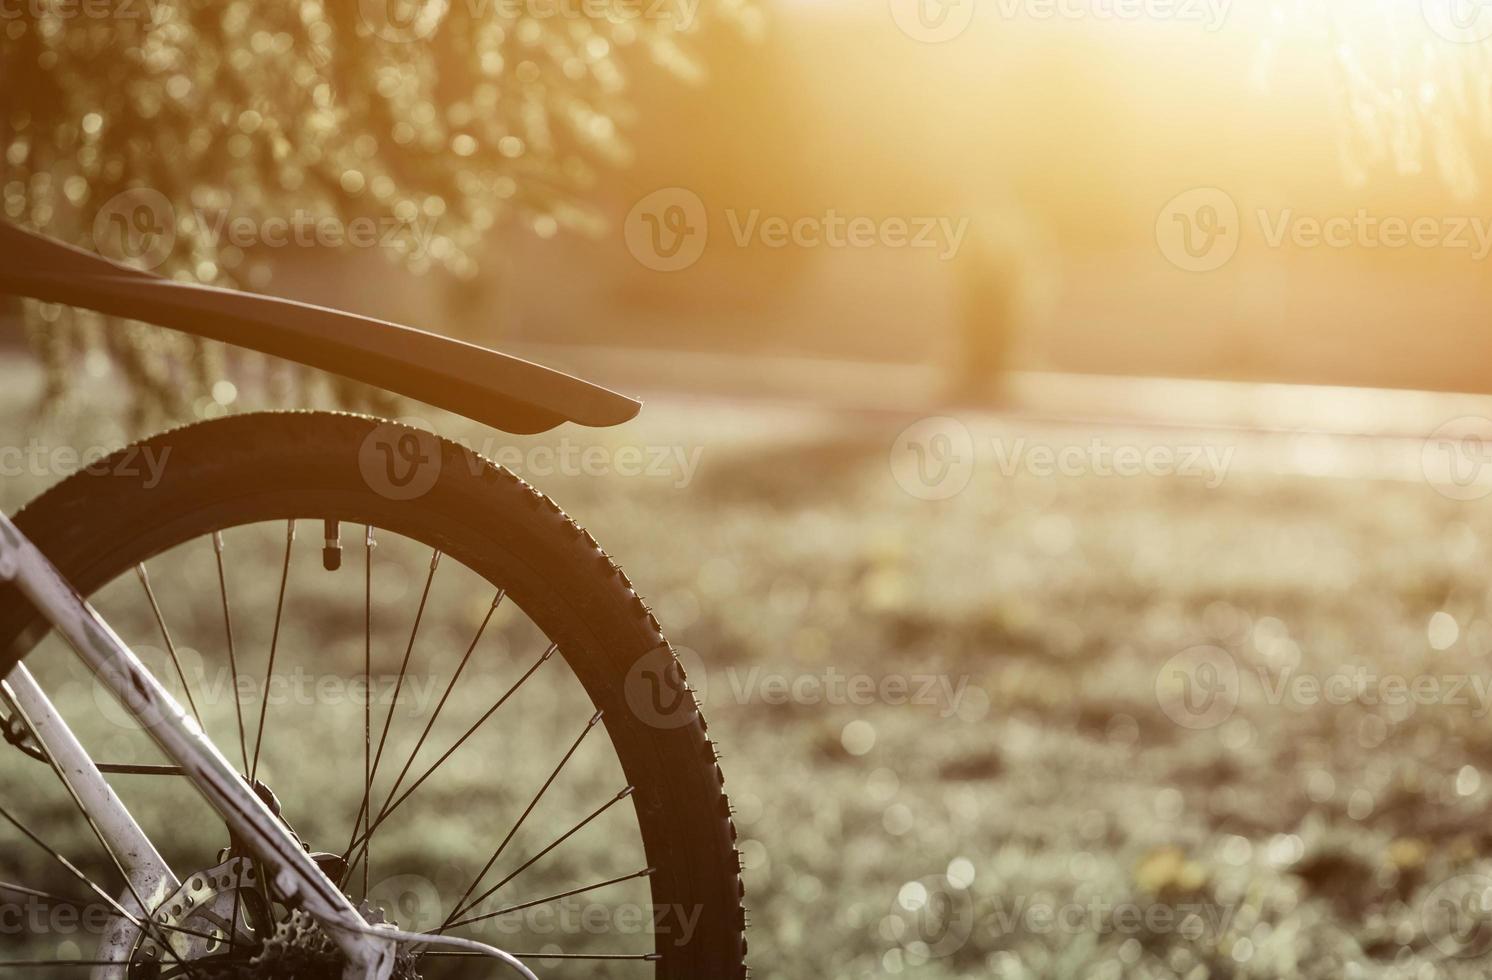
(1002, 285)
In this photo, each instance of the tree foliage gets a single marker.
(450, 116)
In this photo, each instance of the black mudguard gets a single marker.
(506, 392)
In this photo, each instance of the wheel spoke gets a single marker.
(273, 645)
(556, 843)
(388, 719)
(82, 907)
(462, 954)
(368, 679)
(644, 873)
(52, 964)
(387, 810)
(145, 925)
(142, 921)
(103, 841)
(7, 886)
(160, 621)
(355, 840)
(440, 705)
(478, 900)
(243, 742)
(477, 882)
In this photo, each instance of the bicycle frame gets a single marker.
(297, 878)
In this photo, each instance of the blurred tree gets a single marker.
(1409, 83)
(150, 124)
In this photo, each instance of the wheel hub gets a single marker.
(301, 950)
(220, 925)
(214, 913)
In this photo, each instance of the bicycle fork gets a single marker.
(297, 878)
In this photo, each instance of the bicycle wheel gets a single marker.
(443, 684)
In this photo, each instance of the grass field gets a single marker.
(1067, 726)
